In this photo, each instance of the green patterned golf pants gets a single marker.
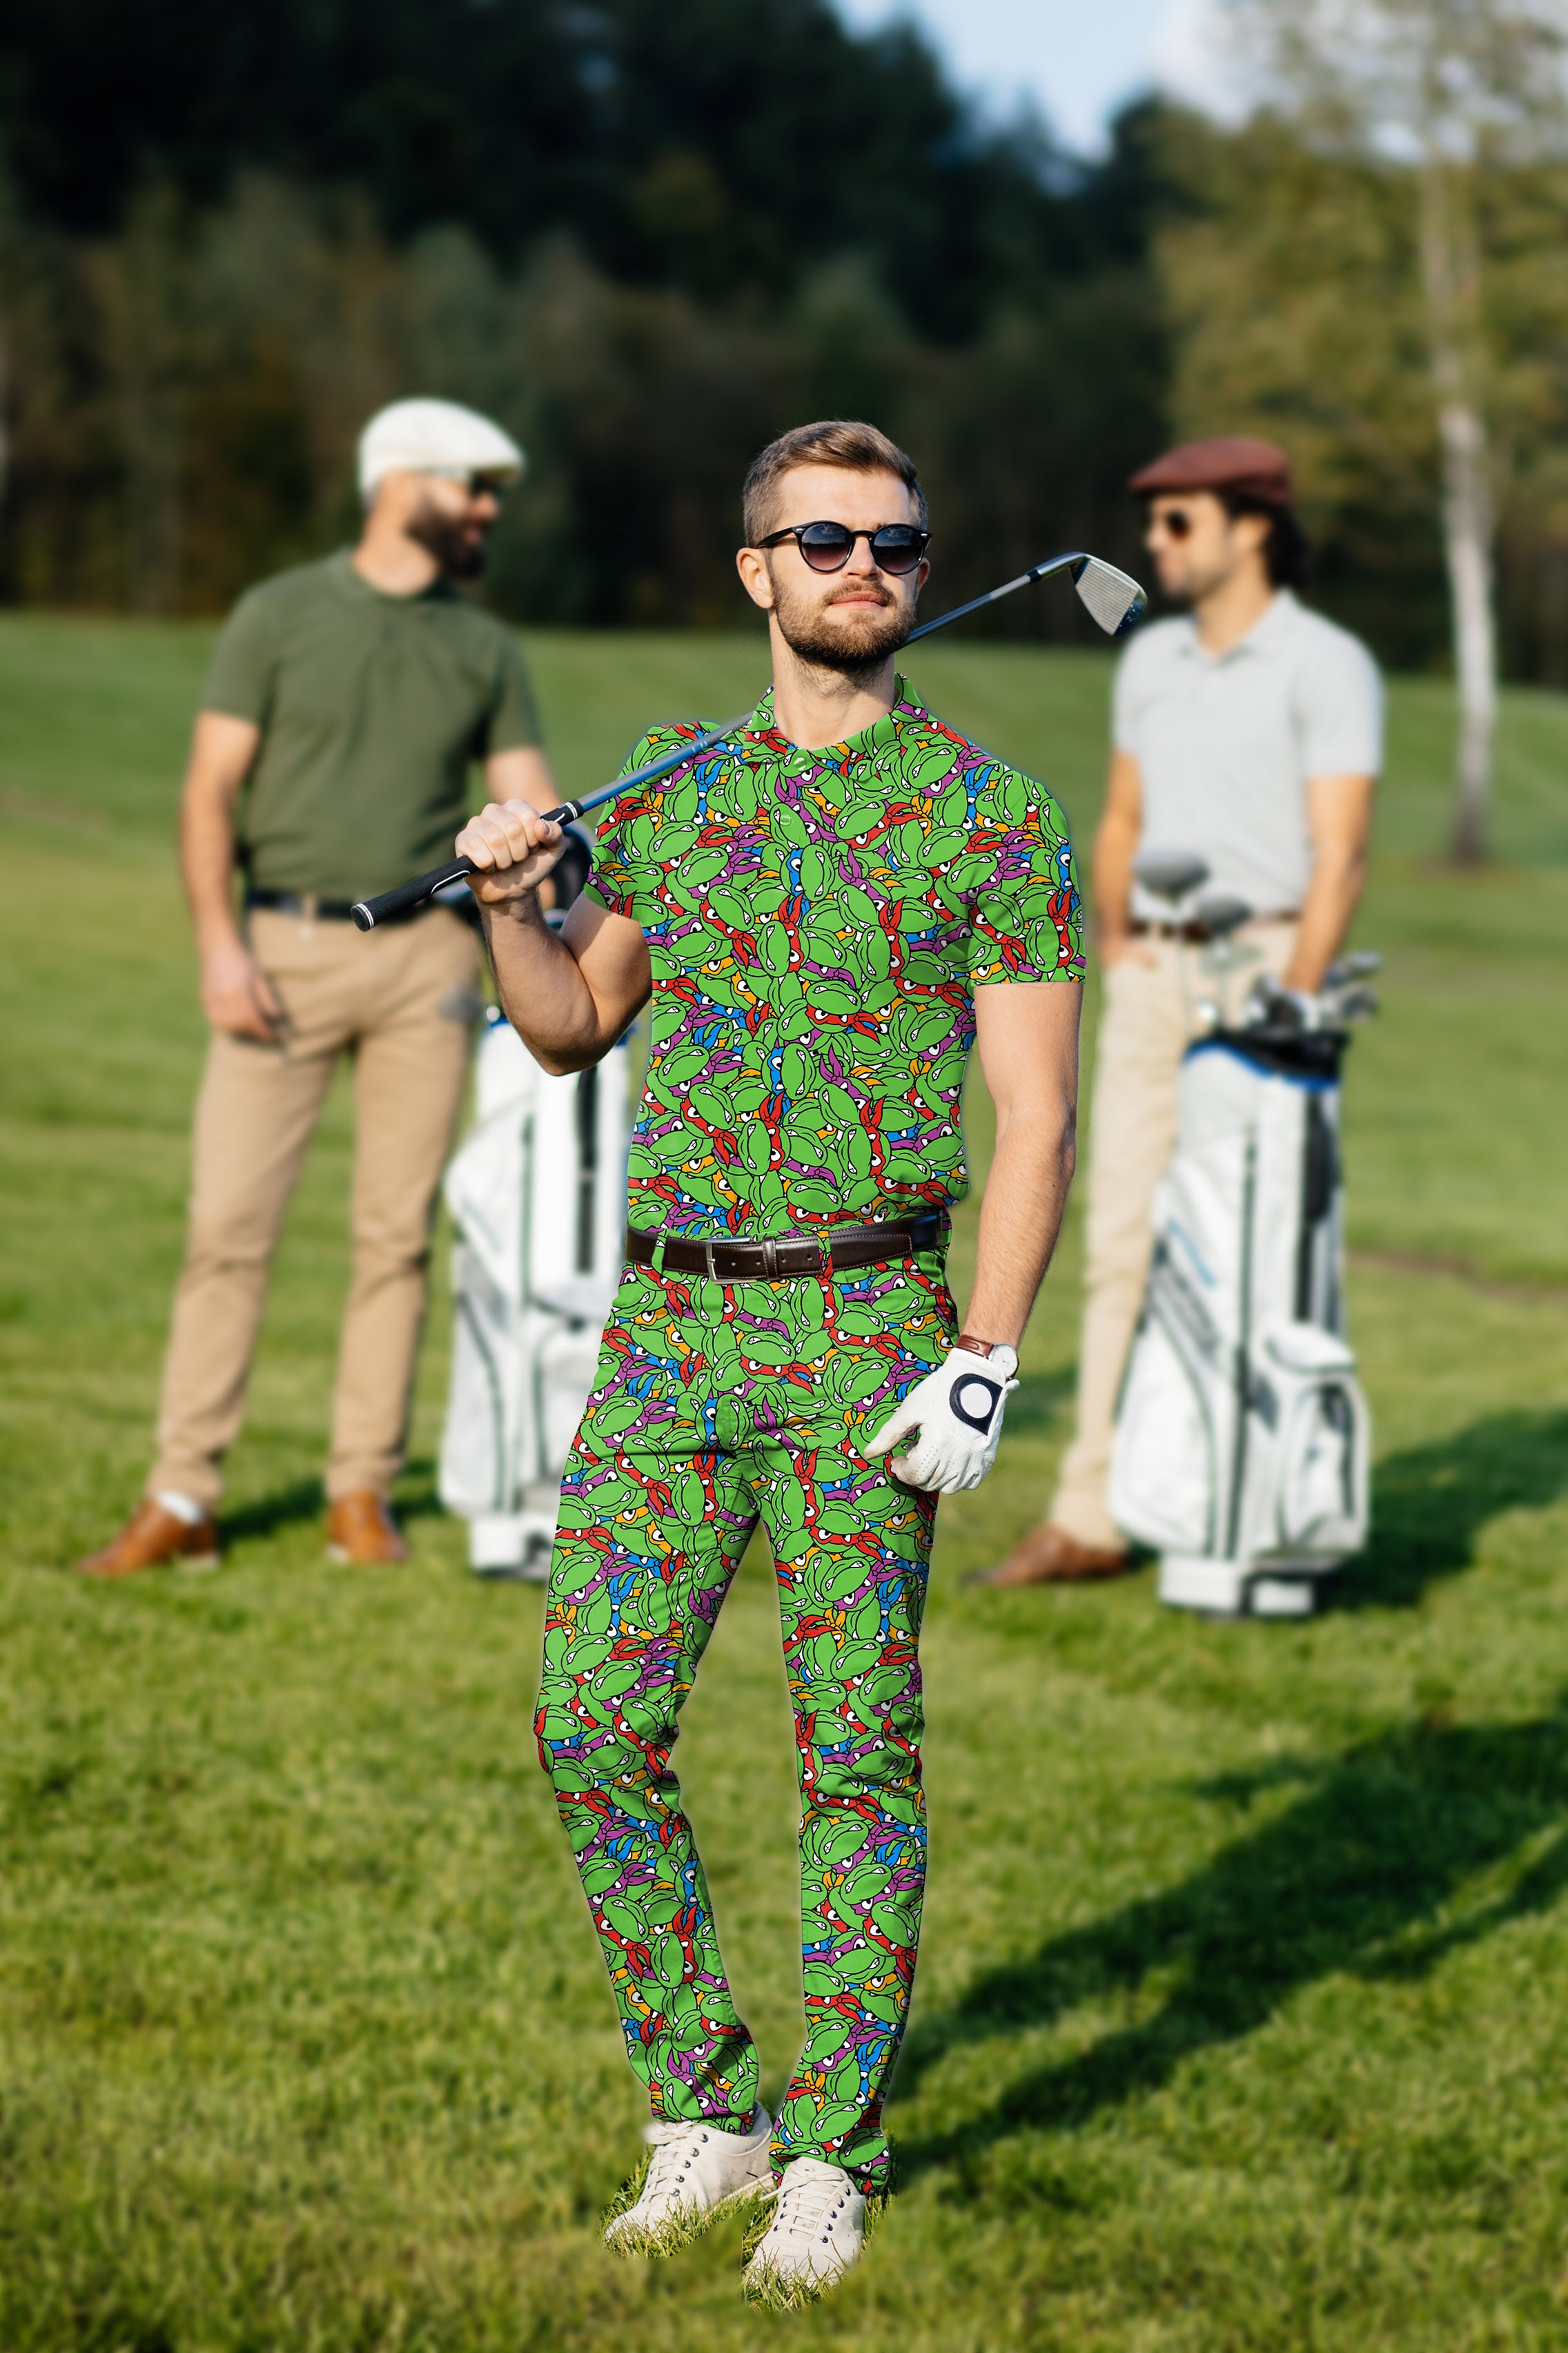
(716, 1404)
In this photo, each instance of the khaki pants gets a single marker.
(380, 998)
(1149, 1017)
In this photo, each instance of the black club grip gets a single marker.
(368, 912)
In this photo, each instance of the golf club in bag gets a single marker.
(1112, 598)
(537, 1191)
(1242, 1438)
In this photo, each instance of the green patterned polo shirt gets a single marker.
(818, 923)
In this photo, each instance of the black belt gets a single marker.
(311, 909)
(1198, 934)
(839, 1247)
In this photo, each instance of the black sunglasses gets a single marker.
(895, 547)
(1174, 521)
(475, 481)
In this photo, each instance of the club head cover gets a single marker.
(957, 1411)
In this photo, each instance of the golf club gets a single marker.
(1112, 598)
(1170, 874)
(402, 901)
(1271, 1006)
(1173, 875)
(1222, 914)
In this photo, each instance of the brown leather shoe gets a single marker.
(150, 1538)
(362, 1531)
(1048, 1555)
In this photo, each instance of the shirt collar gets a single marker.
(1270, 624)
(353, 584)
(880, 737)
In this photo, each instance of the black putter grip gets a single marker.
(368, 912)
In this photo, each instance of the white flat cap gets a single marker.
(435, 436)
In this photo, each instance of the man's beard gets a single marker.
(855, 645)
(460, 555)
(1197, 584)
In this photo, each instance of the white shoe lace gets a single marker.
(674, 2149)
(807, 2205)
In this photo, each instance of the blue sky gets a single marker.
(1077, 59)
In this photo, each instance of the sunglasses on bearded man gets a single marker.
(1176, 522)
(477, 482)
(895, 547)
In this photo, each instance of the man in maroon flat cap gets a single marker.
(1247, 733)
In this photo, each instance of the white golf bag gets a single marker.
(1242, 1438)
(538, 1192)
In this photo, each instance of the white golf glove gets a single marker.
(957, 1410)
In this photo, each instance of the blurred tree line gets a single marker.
(647, 238)
(1296, 310)
(1376, 277)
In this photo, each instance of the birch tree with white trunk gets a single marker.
(1447, 90)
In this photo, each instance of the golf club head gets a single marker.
(1112, 598)
(1269, 1006)
(1358, 967)
(1170, 873)
(1221, 914)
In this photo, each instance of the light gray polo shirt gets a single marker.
(1226, 742)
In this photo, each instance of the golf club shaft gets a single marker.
(368, 912)
(402, 901)
(1039, 572)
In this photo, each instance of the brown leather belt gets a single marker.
(1199, 934)
(792, 1254)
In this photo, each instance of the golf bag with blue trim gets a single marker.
(1242, 1441)
(538, 1192)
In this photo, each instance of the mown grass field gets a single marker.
(1240, 2022)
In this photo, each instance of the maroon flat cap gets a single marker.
(1228, 462)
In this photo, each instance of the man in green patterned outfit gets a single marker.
(828, 909)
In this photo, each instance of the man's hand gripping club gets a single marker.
(957, 1411)
(513, 848)
(568, 994)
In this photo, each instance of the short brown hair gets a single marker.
(833, 441)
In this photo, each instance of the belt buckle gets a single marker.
(708, 1257)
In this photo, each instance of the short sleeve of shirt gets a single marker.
(1340, 708)
(1028, 921)
(514, 720)
(240, 680)
(621, 874)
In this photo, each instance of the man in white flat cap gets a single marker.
(331, 759)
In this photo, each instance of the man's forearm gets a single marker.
(542, 992)
(1332, 896)
(1020, 1218)
(1116, 839)
(1115, 846)
(206, 865)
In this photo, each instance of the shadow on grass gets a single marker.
(1430, 1504)
(305, 1499)
(1363, 1873)
(418, 1497)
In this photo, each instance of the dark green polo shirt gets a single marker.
(370, 709)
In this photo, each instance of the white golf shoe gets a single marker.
(694, 2170)
(818, 2231)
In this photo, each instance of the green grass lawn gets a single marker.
(1240, 2019)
